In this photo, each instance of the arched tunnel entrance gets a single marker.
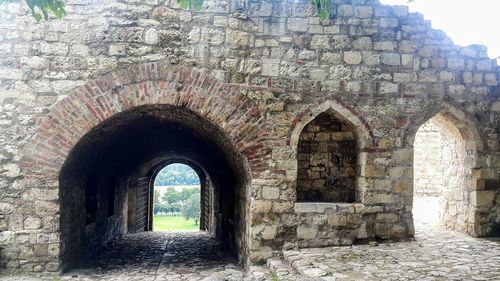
(105, 183)
(181, 190)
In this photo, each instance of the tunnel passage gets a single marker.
(105, 181)
(205, 197)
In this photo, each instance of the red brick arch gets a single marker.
(366, 137)
(59, 129)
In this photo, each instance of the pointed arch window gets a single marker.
(327, 160)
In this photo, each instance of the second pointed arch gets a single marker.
(342, 111)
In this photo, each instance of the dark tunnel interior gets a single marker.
(101, 180)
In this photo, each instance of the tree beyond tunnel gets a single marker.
(177, 199)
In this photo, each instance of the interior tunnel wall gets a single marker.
(91, 215)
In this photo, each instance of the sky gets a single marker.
(466, 22)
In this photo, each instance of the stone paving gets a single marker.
(164, 256)
(436, 254)
(152, 256)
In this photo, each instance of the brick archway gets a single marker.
(366, 139)
(60, 129)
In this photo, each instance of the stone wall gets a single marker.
(260, 71)
(428, 176)
(323, 224)
(326, 156)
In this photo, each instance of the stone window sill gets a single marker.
(320, 207)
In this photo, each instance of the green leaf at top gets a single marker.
(183, 3)
(324, 14)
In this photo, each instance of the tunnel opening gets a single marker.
(107, 181)
(178, 203)
(444, 158)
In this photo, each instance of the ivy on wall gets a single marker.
(42, 8)
(195, 4)
(323, 7)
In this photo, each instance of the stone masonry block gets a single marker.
(271, 193)
(391, 59)
(298, 24)
(307, 232)
(352, 57)
(483, 198)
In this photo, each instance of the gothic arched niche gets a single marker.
(327, 153)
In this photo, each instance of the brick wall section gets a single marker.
(96, 101)
(257, 69)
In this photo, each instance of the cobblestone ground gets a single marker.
(151, 256)
(165, 256)
(436, 254)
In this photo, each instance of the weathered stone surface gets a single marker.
(256, 71)
(352, 57)
(297, 24)
(32, 223)
(483, 198)
(151, 36)
(236, 38)
(320, 42)
(423, 258)
(269, 192)
(307, 232)
(391, 59)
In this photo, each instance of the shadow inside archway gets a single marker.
(105, 187)
(150, 254)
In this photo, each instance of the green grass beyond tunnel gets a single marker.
(168, 222)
